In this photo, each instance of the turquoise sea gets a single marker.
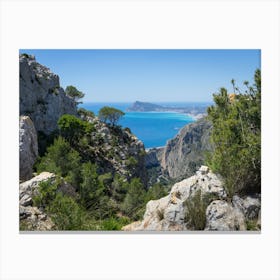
(152, 128)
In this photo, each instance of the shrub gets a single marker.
(113, 223)
(131, 162)
(195, 215)
(134, 199)
(156, 192)
(85, 113)
(73, 128)
(66, 213)
(46, 193)
(119, 188)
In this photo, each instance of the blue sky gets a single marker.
(149, 75)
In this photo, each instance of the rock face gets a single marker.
(32, 218)
(221, 215)
(182, 155)
(185, 153)
(28, 147)
(41, 97)
(171, 213)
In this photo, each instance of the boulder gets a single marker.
(32, 218)
(28, 147)
(249, 205)
(29, 188)
(222, 216)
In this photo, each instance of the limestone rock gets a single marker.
(169, 212)
(41, 97)
(183, 154)
(249, 205)
(28, 147)
(31, 218)
(222, 216)
(28, 188)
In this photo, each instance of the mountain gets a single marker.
(197, 111)
(139, 106)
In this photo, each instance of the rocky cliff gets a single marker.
(41, 97)
(116, 150)
(200, 203)
(183, 154)
(28, 147)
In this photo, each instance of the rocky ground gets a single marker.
(218, 213)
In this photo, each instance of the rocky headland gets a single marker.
(195, 111)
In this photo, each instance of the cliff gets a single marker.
(41, 97)
(200, 203)
(28, 147)
(183, 154)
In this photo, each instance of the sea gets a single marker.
(154, 129)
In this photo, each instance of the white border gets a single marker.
(139, 24)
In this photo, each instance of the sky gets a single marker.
(149, 75)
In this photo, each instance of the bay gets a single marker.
(154, 129)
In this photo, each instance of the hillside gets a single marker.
(94, 163)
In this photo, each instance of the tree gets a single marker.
(134, 200)
(73, 128)
(62, 160)
(72, 92)
(236, 137)
(66, 213)
(110, 115)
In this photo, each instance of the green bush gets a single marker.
(66, 213)
(46, 193)
(82, 112)
(114, 223)
(62, 160)
(119, 188)
(155, 192)
(134, 200)
(195, 215)
(73, 128)
(236, 138)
